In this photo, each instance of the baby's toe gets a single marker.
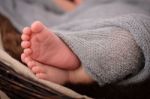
(27, 59)
(31, 64)
(25, 37)
(23, 57)
(37, 69)
(27, 51)
(37, 27)
(41, 76)
(25, 44)
(27, 31)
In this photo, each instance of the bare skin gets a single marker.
(49, 57)
(67, 5)
(60, 76)
(44, 46)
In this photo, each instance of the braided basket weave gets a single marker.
(19, 87)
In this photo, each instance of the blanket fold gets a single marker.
(89, 32)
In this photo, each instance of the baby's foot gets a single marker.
(59, 76)
(44, 46)
(49, 73)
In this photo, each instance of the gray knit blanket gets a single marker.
(110, 37)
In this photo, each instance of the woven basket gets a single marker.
(19, 87)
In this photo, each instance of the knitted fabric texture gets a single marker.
(110, 37)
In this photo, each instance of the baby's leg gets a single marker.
(121, 56)
(42, 45)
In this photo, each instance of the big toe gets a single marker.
(37, 26)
